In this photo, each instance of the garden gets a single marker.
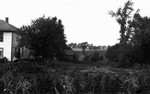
(57, 77)
(122, 71)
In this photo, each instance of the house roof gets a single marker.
(4, 26)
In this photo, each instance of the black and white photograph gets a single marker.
(74, 47)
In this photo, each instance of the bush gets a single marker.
(113, 53)
(3, 60)
(127, 55)
(44, 37)
(29, 67)
(76, 82)
(95, 57)
(45, 84)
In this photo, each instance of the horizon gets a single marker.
(83, 20)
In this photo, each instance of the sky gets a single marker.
(83, 20)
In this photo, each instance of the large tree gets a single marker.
(134, 36)
(84, 46)
(140, 28)
(123, 16)
(44, 37)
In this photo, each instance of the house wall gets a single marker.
(6, 45)
(14, 44)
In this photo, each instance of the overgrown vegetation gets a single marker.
(44, 37)
(134, 43)
(44, 76)
(53, 79)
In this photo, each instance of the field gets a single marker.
(58, 77)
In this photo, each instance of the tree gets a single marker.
(113, 53)
(123, 16)
(84, 46)
(134, 36)
(140, 28)
(72, 45)
(44, 37)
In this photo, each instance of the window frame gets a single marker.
(1, 36)
(2, 49)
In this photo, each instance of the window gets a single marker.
(1, 52)
(1, 36)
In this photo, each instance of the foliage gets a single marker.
(74, 81)
(134, 38)
(123, 16)
(113, 53)
(140, 27)
(28, 67)
(84, 46)
(44, 84)
(95, 57)
(128, 56)
(44, 37)
(3, 60)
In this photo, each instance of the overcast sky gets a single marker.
(84, 20)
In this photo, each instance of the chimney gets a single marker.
(7, 19)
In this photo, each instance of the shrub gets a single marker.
(3, 60)
(127, 55)
(44, 84)
(95, 57)
(113, 53)
(29, 67)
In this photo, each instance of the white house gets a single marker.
(8, 39)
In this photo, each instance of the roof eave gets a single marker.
(7, 31)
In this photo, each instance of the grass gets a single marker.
(99, 66)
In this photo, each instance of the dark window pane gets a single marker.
(1, 36)
(1, 52)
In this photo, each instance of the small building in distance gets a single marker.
(90, 50)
